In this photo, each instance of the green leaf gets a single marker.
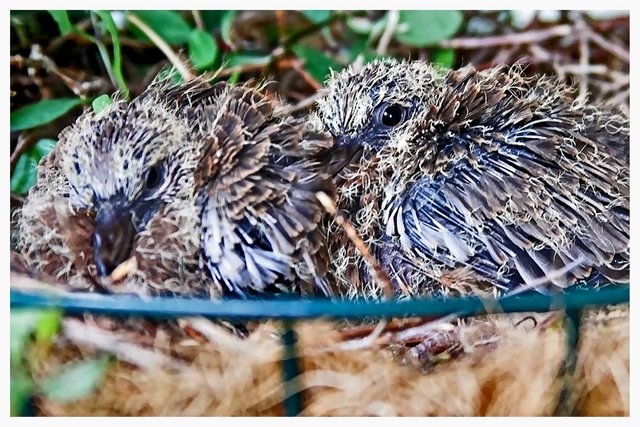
(42, 148)
(444, 57)
(168, 24)
(41, 112)
(212, 18)
(316, 62)
(25, 172)
(24, 175)
(364, 26)
(100, 103)
(426, 27)
(170, 73)
(225, 27)
(112, 28)
(233, 78)
(21, 390)
(360, 25)
(202, 49)
(317, 16)
(23, 323)
(48, 325)
(75, 380)
(62, 19)
(237, 59)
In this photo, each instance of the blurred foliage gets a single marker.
(427, 27)
(31, 336)
(64, 59)
(26, 169)
(61, 59)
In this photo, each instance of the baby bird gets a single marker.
(198, 189)
(474, 181)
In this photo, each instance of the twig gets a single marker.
(244, 68)
(25, 141)
(16, 197)
(80, 27)
(81, 333)
(378, 273)
(182, 68)
(293, 39)
(310, 80)
(584, 69)
(418, 332)
(607, 45)
(619, 98)
(503, 55)
(197, 18)
(39, 60)
(302, 105)
(620, 80)
(540, 54)
(393, 17)
(280, 17)
(367, 341)
(103, 50)
(585, 56)
(215, 334)
(393, 325)
(535, 36)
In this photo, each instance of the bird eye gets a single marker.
(153, 177)
(390, 115)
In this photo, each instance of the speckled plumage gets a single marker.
(211, 182)
(490, 180)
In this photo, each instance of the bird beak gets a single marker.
(112, 238)
(341, 156)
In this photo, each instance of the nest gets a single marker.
(490, 365)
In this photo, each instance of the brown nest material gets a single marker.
(496, 365)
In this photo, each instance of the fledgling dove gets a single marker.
(474, 181)
(193, 189)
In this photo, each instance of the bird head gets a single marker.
(124, 166)
(375, 107)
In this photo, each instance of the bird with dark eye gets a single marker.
(154, 175)
(194, 189)
(497, 181)
(390, 115)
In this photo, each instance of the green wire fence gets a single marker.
(291, 310)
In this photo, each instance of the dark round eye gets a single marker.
(153, 177)
(390, 115)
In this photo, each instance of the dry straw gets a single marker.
(498, 365)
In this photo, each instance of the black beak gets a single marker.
(341, 156)
(112, 238)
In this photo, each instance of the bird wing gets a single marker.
(521, 182)
(260, 212)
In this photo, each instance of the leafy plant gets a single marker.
(317, 16)
(203, 49)
(444, 57)
(317, 63)
(116, 67)
(26, 169)
(41, 112)
(427, 27)
(62, 19)
(73, 381)
(100, 103)
(168, 24)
